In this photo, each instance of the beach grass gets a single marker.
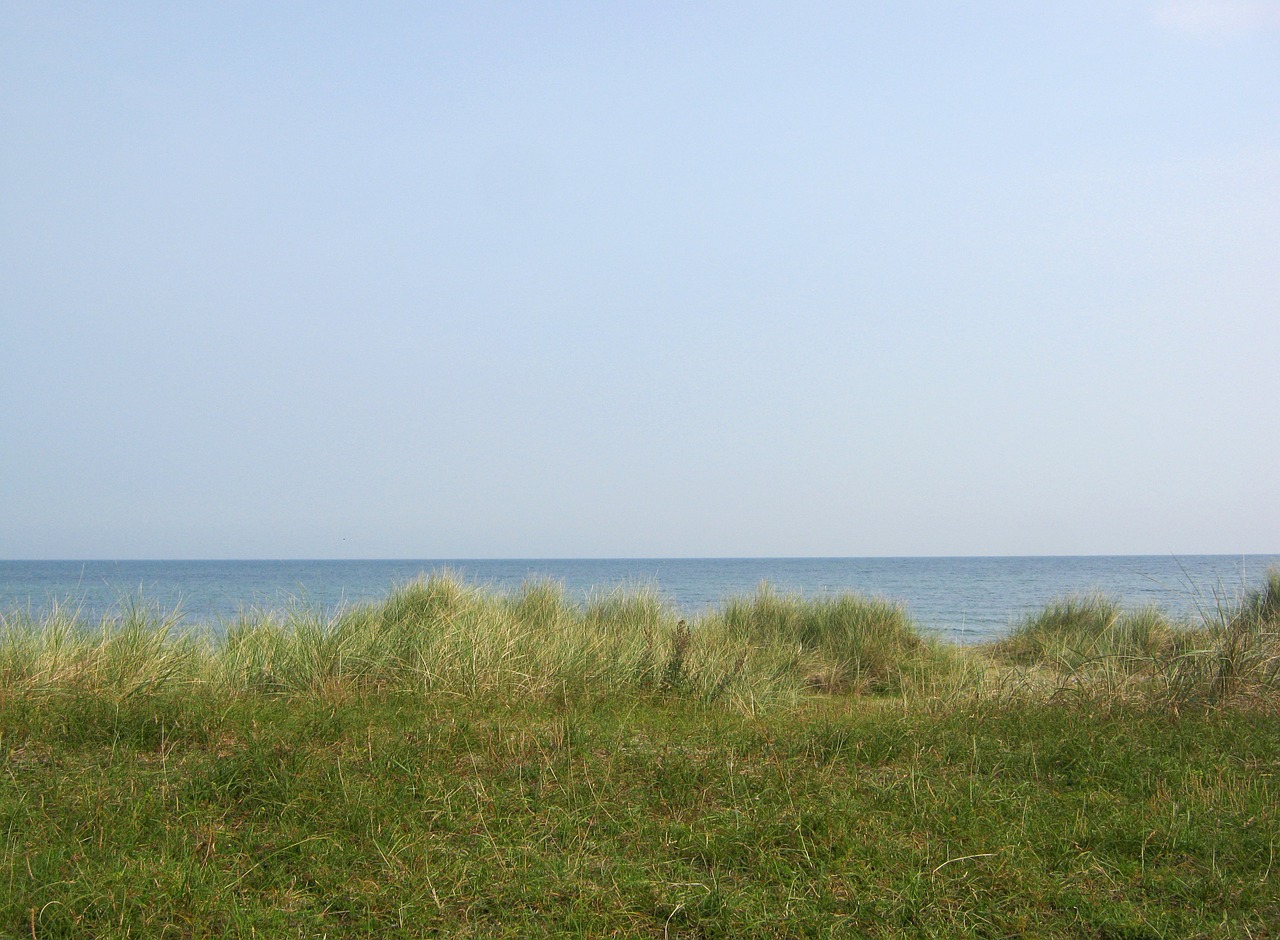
(459, 762)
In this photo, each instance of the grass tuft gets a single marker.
(842, 644)
(1072, 632)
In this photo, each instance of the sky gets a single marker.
(453, 280)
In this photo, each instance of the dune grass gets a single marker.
(1075, 631)
(458, 762)
(440, 635)
(1090, 646)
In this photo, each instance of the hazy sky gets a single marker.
(611, 279)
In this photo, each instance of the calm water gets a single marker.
(964, 598)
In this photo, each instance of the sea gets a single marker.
(966, 599)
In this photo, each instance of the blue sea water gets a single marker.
(966, 599)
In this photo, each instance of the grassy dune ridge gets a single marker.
(441, 635)
(456, 762)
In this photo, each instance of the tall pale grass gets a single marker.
(1234, 655)
(435, 635)
(440, 635)
(840, 644)
(138, 650)
(1088, 646)
(1074, 632)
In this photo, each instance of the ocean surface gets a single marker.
(966, 599)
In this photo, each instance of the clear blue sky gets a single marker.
(610, 279)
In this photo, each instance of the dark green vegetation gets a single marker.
(452, 763)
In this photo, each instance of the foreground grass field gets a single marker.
(452, 763)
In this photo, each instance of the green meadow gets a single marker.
(455, 762)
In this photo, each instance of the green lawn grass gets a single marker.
(293, 784)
